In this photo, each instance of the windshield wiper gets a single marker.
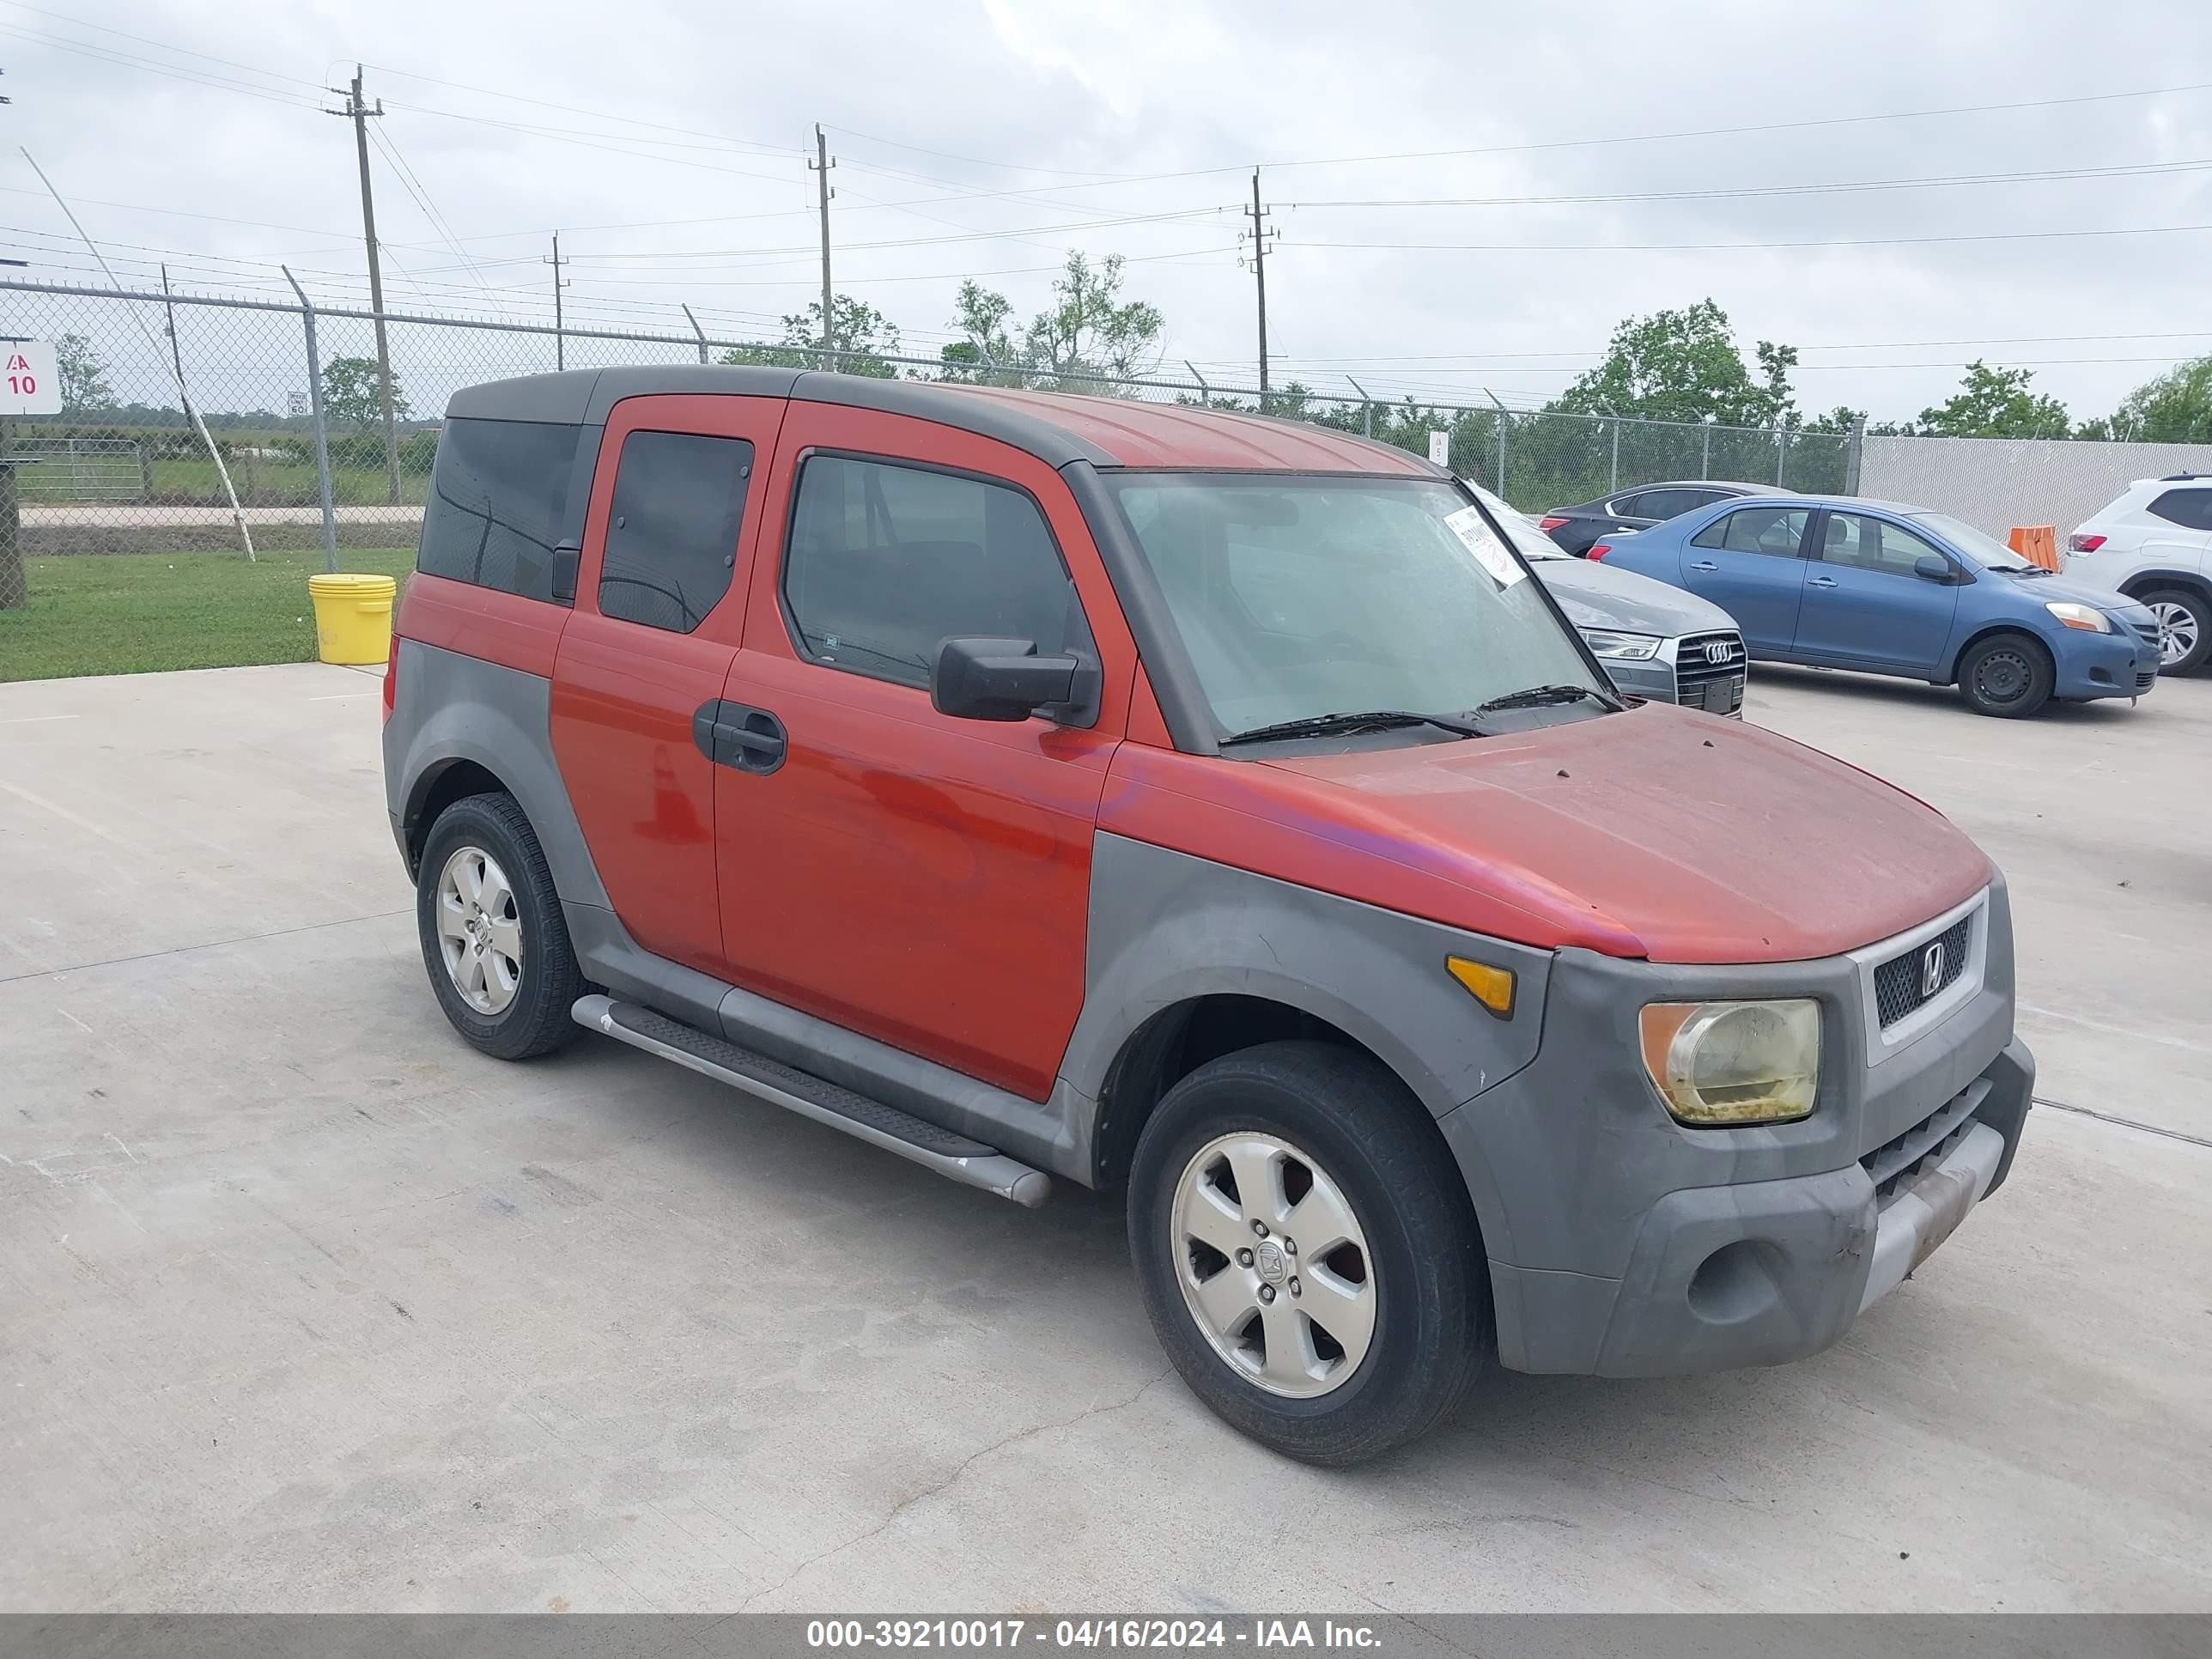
(1536, 695)
(2022, 570)
(1375, 720)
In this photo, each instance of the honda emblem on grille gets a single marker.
(1931, 971)
(1718, 651)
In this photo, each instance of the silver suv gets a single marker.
(2154, 545)
(1656, 641)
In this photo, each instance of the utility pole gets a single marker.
(821, 165)
(560, 339)
(358, 113)
(1260, 235)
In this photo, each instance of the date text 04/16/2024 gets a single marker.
(1255, 1635)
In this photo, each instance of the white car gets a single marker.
(2154, 545)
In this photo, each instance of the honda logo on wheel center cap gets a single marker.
(1268, 1256)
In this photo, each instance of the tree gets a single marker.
(1996, 403)
(83, 376)
(866, 338)
(1684, 366)
(2174, 408)
(1086, 331)
(1087, 334)
(984, 354)
(352, 397)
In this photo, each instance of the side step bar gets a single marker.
(968, 1162)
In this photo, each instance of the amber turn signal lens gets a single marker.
(1491, 987)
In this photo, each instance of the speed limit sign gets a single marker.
(30, 381)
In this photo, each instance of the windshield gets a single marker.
(1299, 597)
(1520, 529)
(1984, 550)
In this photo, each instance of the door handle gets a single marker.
(1704, 564)
(1820, 581)
(740, 736)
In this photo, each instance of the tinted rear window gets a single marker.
(2191, 508)
(500, 504)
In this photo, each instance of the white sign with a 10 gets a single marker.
(31, 380)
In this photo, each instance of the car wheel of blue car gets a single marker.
(2006, 675)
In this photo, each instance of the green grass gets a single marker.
(140, 613)
(265, 483)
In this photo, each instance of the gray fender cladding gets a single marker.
(452, 707)
(1165, 927)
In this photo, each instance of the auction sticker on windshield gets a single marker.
(1477, 537)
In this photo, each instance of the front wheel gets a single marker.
(2185, 629)
(1307, 1251)
(2006, 675)
(494, 939)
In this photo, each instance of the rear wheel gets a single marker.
(2184, 628)
(494, 939)
(2007, 676)
(1306, 1251)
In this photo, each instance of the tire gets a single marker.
(2006, 675)
(1336, 1136)
(2181, 616)
(511, 1004)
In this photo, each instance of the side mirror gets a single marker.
(563, 576)
(1932, 566)
(990, 679)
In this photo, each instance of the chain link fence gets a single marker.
(127, 469)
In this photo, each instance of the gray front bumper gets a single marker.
(1623, 1244)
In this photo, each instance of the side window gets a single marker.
(500, 503)
(887, 560)
(1669, 503)
(1776, 530)
(2190, 508)
(672, 531)
(1871, 544)
(1627, 506)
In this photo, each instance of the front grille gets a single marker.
(1715, 687)
(1893, 1162)
(2147, 631)
(1902, 984)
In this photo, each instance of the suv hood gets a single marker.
(1599, 596)
(1659, 833)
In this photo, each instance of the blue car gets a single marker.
(1837, 582)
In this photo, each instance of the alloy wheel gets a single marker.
(1273, 1265)
(479, 932)
(2177, 632)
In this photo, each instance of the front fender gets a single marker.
(1165, 927)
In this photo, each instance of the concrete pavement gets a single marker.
(304, 1305)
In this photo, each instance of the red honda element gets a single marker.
(1206, 807)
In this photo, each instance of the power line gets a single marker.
(159, 45)
(976, 160)
(597, 115)
(129, 60)
(1692, 247)
(2132, 169)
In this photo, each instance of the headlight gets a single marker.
(2087, 618)
(1724, 1063)
(1621, 648)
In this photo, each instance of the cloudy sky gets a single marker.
(1468, 197)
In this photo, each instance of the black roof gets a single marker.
(1058, 428)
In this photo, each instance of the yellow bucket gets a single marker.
(353, 618)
